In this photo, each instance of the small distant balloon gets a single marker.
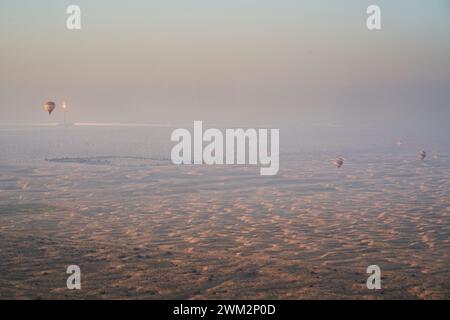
(49, 106)
(338, 162)
(422, 155)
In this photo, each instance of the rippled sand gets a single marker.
(146, 229)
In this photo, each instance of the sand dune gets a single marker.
(145, 229)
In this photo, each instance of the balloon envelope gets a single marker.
(338, 162)
(422, 155)
(49, 106)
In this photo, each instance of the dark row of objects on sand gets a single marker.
(339, 161)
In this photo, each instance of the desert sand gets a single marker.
(143, 228)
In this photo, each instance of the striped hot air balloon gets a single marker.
(49, 106)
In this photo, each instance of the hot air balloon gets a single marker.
(49, 106)
(422, 155)
(338, 162)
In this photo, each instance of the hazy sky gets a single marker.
(258, 61)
